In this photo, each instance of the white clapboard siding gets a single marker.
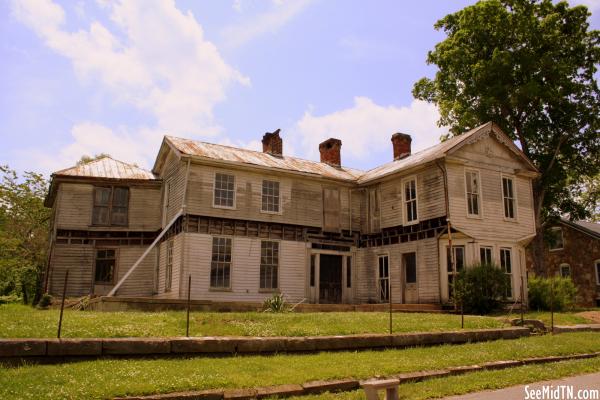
(141, 281)
(176, 274)
(78, 259)
(245, 269)
(174, 175)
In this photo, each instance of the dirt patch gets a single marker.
(591, 315)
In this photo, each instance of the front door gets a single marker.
(409, 263)
(330, 279)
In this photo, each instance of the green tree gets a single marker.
(24, 224)
(528, 66)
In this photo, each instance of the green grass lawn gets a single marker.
(108, 378)
(22, 321)
(477, 381)
(561, 318)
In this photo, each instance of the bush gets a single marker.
(275, 303)
(481, 288)
(9, 299)
(540, 293)
(45, 301)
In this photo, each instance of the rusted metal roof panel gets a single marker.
(245, 156)
(108, 168)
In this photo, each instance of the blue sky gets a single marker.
(108, 76)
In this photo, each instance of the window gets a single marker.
(269, 264)
(506, 265)
(410, 200)
(597, 266)
(106, 262)
(270, 196)
(410, 267)
(555, 238)
(459, 265)
(472, 187)
(508, 195)
(313, 266)
(169, 266)
(224, 195)
(110, 206)
(565, 270)
(384, 278)
(348, 272)
(220, 266)
(485, 255)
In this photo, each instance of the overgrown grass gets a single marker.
(477, 381)
(22, 321)
(109, 378)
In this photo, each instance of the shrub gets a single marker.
(481, 288)
(275, 303)
(540, 293)
(45, 301)
(9, 299)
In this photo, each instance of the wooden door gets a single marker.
(409, 263)
(330, 279)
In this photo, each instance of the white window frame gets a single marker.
(231, 263)
(560, 270)
(562, 237)
(405, 201)
(487, 247)
(169, 259)
(512, 267)
(597, 271)
(389, 282)
(451, 275)
(479, 215)
(279, 203)
(277, 267)
(514, 198)
(234, 190)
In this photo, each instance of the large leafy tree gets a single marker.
(24, 224)
(528, 66)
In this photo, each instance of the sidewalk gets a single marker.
(589, 381)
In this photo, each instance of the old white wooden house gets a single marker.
(245, 224)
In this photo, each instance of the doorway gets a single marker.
(330, 279)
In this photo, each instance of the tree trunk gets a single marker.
(537, 245)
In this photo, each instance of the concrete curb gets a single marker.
(58, 350)
(577, 328)
(344, 385)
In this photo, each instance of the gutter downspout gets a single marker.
(448, 224)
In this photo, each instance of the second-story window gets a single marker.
(110, 206)
(473, 203)
(508, 195)
(224, 195)
(410, 200)
(270, 196)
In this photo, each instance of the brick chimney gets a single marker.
(401, 144)
(272, 143)
(330, 152)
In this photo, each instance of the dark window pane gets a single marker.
(102, 196)
(120, 197)
(410, 265)
(100, 216)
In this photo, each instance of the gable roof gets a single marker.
(589, 228)
(443, 149)
(219, 152)
(107, 168)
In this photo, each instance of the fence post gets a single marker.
(462, 314)
(522, 299)
(62, 303)
(187, 325)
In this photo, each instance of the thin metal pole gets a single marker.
(462, 315)
(187, 325)
(522, 299)
(390, 297)
(552, 304)
(62, 303)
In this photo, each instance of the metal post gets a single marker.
(187, 325)
(390, 297)
(462, 314)
(522, 299)
(62, 304)
(552, 305)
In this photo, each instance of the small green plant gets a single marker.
(275, 303)
(44, 302)
(555, 292)
(480, 288)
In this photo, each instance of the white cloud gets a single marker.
(151, 56)
(279, 14)
(366, 128)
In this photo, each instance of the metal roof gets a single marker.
(233, 154)
(108, 168)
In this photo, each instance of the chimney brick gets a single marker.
(401, 144)
(331, 152)
(272, 143)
